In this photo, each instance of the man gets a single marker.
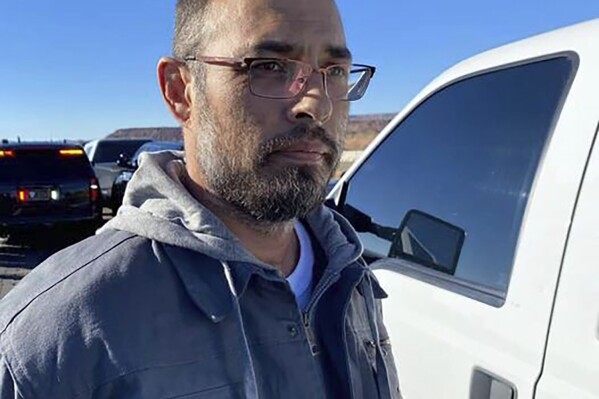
(222, 276)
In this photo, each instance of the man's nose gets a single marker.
(313, 102)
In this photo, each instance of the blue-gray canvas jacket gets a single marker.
(166, 303)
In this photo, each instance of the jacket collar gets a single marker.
(206, 283)
(208, 287)
(205, 280)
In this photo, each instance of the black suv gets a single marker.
(47, 184)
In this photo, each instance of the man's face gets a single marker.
(268, 158)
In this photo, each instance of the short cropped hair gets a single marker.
(190, 24)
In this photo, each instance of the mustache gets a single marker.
(300, 133)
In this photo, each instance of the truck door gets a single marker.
(572, 363)
(464, 222)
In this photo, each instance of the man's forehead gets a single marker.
(310, 8)
(300, 24)
(292, 48)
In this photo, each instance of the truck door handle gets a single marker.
(485, 385)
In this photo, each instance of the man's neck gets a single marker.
(277, 246)
(274, 244)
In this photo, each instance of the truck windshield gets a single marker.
(109, 151)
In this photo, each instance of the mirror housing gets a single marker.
(430, 241)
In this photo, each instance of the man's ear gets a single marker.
(175, 84)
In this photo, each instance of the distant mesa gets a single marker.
(361, 130)
(155, 133)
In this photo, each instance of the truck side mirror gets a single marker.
(430, 241)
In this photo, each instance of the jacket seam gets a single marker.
(139, 370)
(208, 390)
(24, 307)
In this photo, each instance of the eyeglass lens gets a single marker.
(286, 79)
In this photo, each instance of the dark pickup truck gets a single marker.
(104, 154)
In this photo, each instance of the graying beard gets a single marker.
(227, 180)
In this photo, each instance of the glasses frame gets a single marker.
(244, 64)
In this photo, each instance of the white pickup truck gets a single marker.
(478, 206)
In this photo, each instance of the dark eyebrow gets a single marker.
(339, 52)
(273, 46)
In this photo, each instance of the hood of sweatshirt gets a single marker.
(158, 206)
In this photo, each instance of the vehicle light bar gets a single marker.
(7, 153)
(23, 195)
(72, 152)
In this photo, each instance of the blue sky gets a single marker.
(79, 69)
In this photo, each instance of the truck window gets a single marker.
(466, 156)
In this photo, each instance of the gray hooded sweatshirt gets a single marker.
(165, 302)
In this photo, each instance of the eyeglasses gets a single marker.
(281, 78)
